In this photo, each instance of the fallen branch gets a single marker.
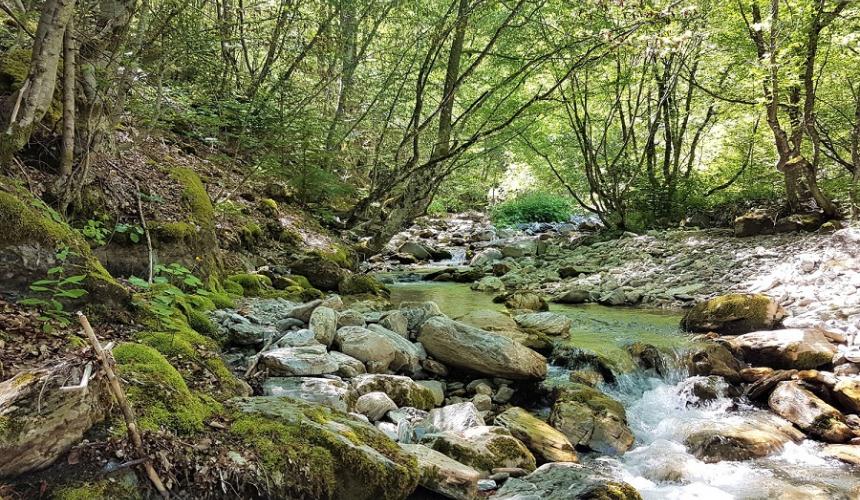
(253, 366)
(127, 413)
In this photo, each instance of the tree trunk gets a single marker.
(68, 154)
(25, 108)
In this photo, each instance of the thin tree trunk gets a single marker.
(69, 65)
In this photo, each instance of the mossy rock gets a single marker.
(157, 391)
(222, 300)
(311, 451)
(322, 272)
(99, 490)
(14, 68)
(252, 284)
(233, 288)
(30, 235)
(356, 284)
(734, 314)
(269, 206)
(172, 231)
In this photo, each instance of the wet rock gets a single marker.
(417, 250)
(548, 444)
(402, 390)
(647, 357)
(734, 314)
(546, 323)
(590, 418)
(789, 348)
(298, 361)
(443, 475)
(483, 448)
(847, 392)
(755, 373)
(734, 439)
(762, 387)
(502, 324)
(566, 481)
(488, 284)
(573, 296)
(469, 348)
(325, 391)
(374, 405)
(323, 322)
(804, 409)
(715, 359)
(849, 453)
(455, 418)
(347, 366)
(523, 300)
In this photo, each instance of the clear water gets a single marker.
(662, 412)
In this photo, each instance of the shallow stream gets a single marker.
(662, 412)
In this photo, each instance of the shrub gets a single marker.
(532, 207)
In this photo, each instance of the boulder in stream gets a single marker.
(795, 348)
(484, 448)
(734, 314)
(547, 323)
(590, 418)
(804, 409)
(566, 481)
(548, 444)
(737, 439)
(469, 348)
(444, 475)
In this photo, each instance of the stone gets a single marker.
(324, 322)
(297, 338)
(790, 348)
(325, 391)
(363, 463)
(547, 323)
(437, 387)
(849, 453)
(734, 314)
(714, 359)
(374, 405)
(350, 318)
(521, 248)
(333, 301)
(590, 418)
(321, 272)
(287, 324)
(502, 324)
(484, 448)
(762, 387)
(547, 443)
(298, 361)
(486, 256)
(417, 250)
(407, 356)
(396, 322)
(482, 402)
(303, 312)
(443, 475)
(798, 405)
(729, 439)
(376, 351)
(39, 423)
(573, 296)
(566, 481)
(847, 392)
(488, 284)
(503, 394)
(469, 348)
(402, 390)
(525, 300)
(417, 313)
(347, 366)
(455, 418)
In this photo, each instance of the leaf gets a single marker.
(56, 305)
(134, 237)
(32, 301)
(192, 281)
(138, 282)
(44, 282)
(71, 280)
(161, 280)
(36, 288)
(55, 270)
(74, 293)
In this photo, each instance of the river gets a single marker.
(663, 411)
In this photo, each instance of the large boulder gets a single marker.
(469, 348)
(333, 393)
(524, 301)
(488, 284)
(734, 439)
(484, 448)
(590, 418)
(347, 366)
(502, 324)
(790, 348)
(800, 406)
(374, 405)
(417, 313)
(444, 475)
(848, 453)
(323, 322)
(520, 248)
(39, 422)
(402, 390)
(314, 452)
(486, 256)
(566, 481)
(376, 351)
(298, 361)
(321, 272)
(714, 359)
(546, 323)
(734, 314)
(847, 392)
(417, 250)
(407, 356)
(548, 444)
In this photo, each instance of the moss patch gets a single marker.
(733, 314)
(362, 284)
(252, 284)
(100, 490)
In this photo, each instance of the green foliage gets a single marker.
(171, 286)
(59, 285)
(95, 231)
(252, 284)
(532, 207)
(134, 232)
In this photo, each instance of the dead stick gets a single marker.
(127, 412)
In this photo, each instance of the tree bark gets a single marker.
(69, 64)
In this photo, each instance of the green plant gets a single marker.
(56, 286)
(172, 285)
(134, 231)
(95, 231)
(532, 207)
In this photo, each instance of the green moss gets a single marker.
(172, 231)
(252, 284)
(591, 397)
(269, 205)
(233, 288)
(222, 300)
(100, 490)
(339, 255)
(290, 237)
(362, 284)
(251, 234)
(200, 322)
(195, 197)
(14, 68)
(157, 391)
(300, 280)
(733, 313)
